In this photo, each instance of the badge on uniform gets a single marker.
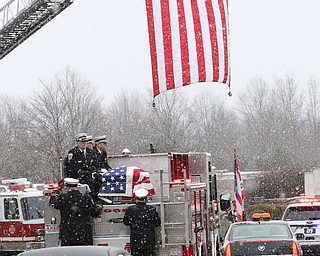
(70, 155)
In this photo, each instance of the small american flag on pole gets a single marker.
(189, 42)
(238, 190)
(124, 181)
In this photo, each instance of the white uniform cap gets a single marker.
(141, 193)
(81, 137)
(89, 137)
(71, 182)
(100, 139)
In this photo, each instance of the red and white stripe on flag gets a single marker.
(140, 179)
(189, 42)
(238, 191)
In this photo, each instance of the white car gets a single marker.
(304, 220)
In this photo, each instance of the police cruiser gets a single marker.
(304, 220)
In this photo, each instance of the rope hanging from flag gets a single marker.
(189, 42)
(238, 190)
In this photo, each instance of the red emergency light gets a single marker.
(114, 210)
(307, 200)
(187, 251)
(1, 179)
(51, 186)
(17, 187)
(179, 181)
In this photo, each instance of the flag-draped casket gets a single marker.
(124, 181)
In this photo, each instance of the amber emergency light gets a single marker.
(260, 216)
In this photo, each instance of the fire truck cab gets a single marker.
(21, 217)
(185, 196)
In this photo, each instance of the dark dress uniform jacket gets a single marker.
(76, 223)
(142, 219)
(101, 159)
(101, 162)
(80, 166)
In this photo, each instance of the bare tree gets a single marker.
(214, 128)
(257, 112)
(12, 153)
(311, 129)
(272, 117)
(64, 107)
(289, 117)
(128, 123)
(168, 122)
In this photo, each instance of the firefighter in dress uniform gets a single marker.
(90, 142)
(80, 162)
(100, 152)
(76, 210)
(142, 219)
(101, 163)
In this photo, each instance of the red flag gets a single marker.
(188, 42)
(238, 191)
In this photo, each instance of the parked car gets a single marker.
(304, 219)
(77, 251)
(260, 238)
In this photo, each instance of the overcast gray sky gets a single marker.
(107, 41)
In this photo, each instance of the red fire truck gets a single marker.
(185, 196)
(21, 216)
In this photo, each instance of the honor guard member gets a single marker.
(99, 149)
(142, 219)
(80, 162)
(101, 163)
(90, 142)
(76, 210)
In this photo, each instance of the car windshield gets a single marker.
(302, 213)
(260, 231)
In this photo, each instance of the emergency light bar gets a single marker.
(260, 216)
(19, 187)
(20, 181)
(307, 200)
(51, 186)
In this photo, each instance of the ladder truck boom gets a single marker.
(19, 19)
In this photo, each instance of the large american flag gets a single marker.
(124, 181)
(189, 42)
(238, 191)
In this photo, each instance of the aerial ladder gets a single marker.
(19, 19)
